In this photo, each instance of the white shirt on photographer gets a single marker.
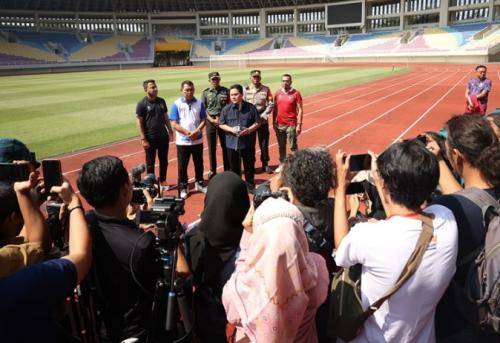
(383, 248)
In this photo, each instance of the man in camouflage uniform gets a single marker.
(215, 98)
(261, 97)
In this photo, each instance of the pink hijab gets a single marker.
(278, 285)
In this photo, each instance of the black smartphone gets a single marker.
(52, 173)
(355, 188)
(360, 162)
(10, 172)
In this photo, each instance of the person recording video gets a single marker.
(24, 237)
(31, 296)
(125, 282)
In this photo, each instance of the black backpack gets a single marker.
(479, 300)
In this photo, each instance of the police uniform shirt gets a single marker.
(153, 114)
(215, 99)
(259, 97)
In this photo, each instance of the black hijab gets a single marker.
(218, 235)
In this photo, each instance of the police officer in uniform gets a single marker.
(262, 98)
(215, 98)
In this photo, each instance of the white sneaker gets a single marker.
(199, 187)
(165, 188)
(184, 194)
(279, 169)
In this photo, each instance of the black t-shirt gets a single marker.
(471, 234)
(153, 114)
(126, 308)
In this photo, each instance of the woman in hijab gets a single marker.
(212, 250)
(278, 285)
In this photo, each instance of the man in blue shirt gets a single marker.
(188, 120)
(240, 120)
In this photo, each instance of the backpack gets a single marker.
(479, 300)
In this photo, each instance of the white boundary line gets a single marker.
(429, 109)
(385, 113)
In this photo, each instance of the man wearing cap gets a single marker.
(24, 237)
(262, 98)
(215, 98)
(13, 150)
(154, 129)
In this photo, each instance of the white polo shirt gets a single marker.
(189, 115)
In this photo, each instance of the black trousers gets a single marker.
(263, 137)
(159, 145)
(248, 157)
(212, 133)
(184, 152)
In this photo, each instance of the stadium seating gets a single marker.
(112, 48)
(49, 47)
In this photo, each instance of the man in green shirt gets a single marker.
(215, 98)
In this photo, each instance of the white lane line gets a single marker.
(429, 109)
(385, 113)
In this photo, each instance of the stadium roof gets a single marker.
(147, 5)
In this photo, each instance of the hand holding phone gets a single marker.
(360, 162)
(52, 174)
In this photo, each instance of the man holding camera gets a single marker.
(405, 174)
(261, 97)
(24, 236)
(154, 129)
(215, 98)
(240, 121)
(125, 257)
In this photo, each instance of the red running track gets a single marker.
(355, 119)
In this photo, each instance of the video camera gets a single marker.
(169, 296)
(138, 185)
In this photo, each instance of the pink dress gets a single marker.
(278, 285)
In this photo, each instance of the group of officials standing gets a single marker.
(236, 117)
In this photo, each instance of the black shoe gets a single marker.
(211, 174)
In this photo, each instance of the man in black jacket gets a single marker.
(125, 261)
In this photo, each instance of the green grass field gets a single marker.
(59, 113)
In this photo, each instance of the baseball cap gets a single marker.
(12, 149)
(255, 72)
(213, 75)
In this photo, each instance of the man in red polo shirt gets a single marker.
(287, 117)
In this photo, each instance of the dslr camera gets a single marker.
(264, 192)
(139, 184)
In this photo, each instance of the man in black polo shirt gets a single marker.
(124, 303)
(240, 120)
(154, 129)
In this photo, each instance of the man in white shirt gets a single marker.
(406, 176)
(188, 120)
